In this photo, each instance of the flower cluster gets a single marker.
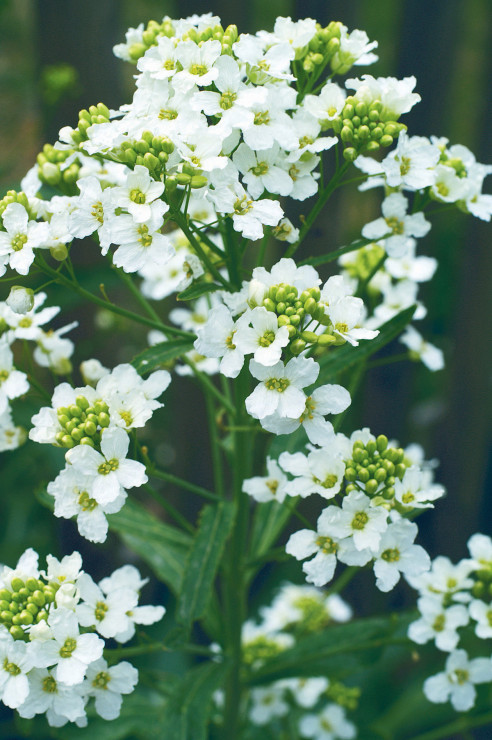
(316, 704)
(452, 597)
(51, 655)
(93, 425)
(379, 487)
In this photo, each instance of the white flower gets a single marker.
(262, 170)
(267, 488)
(69, 650)
(110, 470)
(280, 389)
(107, 614)
(20, 238)
(218, 339)
(445, 581)
(328, 104)
(395, 95)
(438, 623)
(397, 554)
(265, 338)
(46, 694)
(480, 547)
(411, 165)
(20, 300)
(307, 691)
(355, 48)
(482, 614)
(140, 243)
(248, 215)
(93, 211)
(108, 684)
(13, 383)
(326, 399)
(268, 703)
(396, 222)
(15, 664)
(456, 683)
(138, 195)
(346, 315)
(197, 64)
(321, 472)
(357, 519)
(415, 489)
(329, 724)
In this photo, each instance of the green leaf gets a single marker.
(345, 356)
(188, 707)
(269, 520)
(198, 289)
(335, 652)
(203, 560)
(160, 353)
(142, 715)
(324, 258)
(161, 546)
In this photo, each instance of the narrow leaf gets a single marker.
(203, 560)
(160, 353)
(198, 289)
(322, 259)
(336, 650)
(269, 520)
(161, 546)
(341, 358)
(188, 706)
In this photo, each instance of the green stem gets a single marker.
(365, 282)
(389, 360)
(343, 580)
(458, 725)
(324, 258)
(215, 447)
(171, 510)
(181, 483)
(318, 207)
(153, 324)
(183, 225)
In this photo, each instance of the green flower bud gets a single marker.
(371, 447)
(297, 346)
(386, 140)
(364, 132)
(283, 320)
(295, 320)
(358, 454)
(77, 434)
(292, 330)
(346, 134)
(326, 339)
(310, 305)
(90, 428)
(269, 304)
(372, 468)
(350, 154)
(182, 178)
(93, 418)
(389, 492)
(26, 617)
(380, 475)
(350, 488)
(103, 419)
(198, 181)
(281, 307)
(478, 590)
(350, 474)
(381, 442)
(4, 605)
(87, 441)
(151, 162)
(17, 632)
(38, 598)
(42, 615)
(371, 486)
(309, 336)
(364, 475)
(5, 594)
(6, 616)
(59, 252)
(400, 470)
(16, 584)
(67, 441)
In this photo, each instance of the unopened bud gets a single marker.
(20, 300)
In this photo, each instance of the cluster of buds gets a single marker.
(12, 196)
(25, 603)
(376, 466)
(346, 696)
(155, 30)
(96, 114)
(296, 312)
(482, 588)
(51, 172)
(322, 47)
(82, 423)
(362, 129)
(149, 151)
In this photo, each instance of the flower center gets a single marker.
(267, 339)
(100, 610)
(442, 189)
(101, 680)
(243, 206)
(439, 623)
(108, 467)
(198, 69)
(229, 343)
(272, 485)
(396, 226)
(11, 668)
(4, 374)
(227, 100)
(305, 141)
(405, 166)
(98, 211)
(460, 676)
(49, 685)
(18, 242)
(25, 323)
(260, 169)
(167, 114)
(327, 545)
(262, 118)
(360, 520)
(137, 196)
(277, 384)
(85, 502)
(391, 555)
(68, 647)
(145, 238)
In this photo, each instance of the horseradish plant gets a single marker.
(182, 189)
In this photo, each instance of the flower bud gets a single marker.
(20, 300)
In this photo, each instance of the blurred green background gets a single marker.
(55, 58)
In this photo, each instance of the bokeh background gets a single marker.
(55, 58)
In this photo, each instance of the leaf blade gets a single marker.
(158, 354)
